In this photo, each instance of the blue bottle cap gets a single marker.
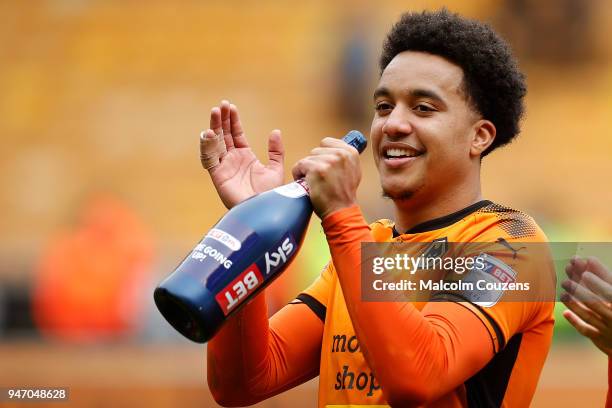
(356, 139)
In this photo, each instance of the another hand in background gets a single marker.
(589, 300)
(233, 167)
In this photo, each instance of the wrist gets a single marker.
(231, 202)
(341, 214)
(335, 208)
(346, 225)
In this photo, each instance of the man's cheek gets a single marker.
(375, 150)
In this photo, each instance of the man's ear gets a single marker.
(484, 135)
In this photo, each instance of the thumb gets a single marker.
(276, 151)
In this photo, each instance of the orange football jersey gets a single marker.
(520, 332)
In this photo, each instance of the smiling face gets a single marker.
(426, 136)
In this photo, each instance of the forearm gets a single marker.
(236, 353)
(414, 354)
(253, 358)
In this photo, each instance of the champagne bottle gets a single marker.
(250, 246)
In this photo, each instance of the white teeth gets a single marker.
(399, 153)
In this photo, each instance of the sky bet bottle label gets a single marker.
(247, 282)
(237, 290)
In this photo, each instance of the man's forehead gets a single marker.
(413, 69)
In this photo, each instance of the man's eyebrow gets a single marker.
(415, 93)
(382, 91)
(425, 93)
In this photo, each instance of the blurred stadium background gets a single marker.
(103, 194)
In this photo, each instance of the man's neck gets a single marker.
(416, 210)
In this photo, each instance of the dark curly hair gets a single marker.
(493, 83)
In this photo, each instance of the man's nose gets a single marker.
(398, 123)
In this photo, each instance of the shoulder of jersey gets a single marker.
(514, 223)
(382, 230)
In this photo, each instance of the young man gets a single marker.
(449, 93)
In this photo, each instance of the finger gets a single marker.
(333, 142)
(588, 299)
(209, 152)
(599, 269)
(345, 153)
(319, 151)
(575, 268)
(583, 328)
(569, 271)
(215, 120)
(579, 291)
(303, 167)
(317, 166)
(276, 150)
(216, 127)
(240, 139)
(585, 314)
(299, 169)
(225, 125)
(597, 286)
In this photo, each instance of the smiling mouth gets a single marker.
(398, 154)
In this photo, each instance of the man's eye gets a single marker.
(424, 108)
(383, 107)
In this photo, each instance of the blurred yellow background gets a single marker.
(109, 97)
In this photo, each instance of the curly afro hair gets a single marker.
(493, 83)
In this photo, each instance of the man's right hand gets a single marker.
(233, 167)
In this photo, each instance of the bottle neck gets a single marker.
(296, 189)
(302, 183)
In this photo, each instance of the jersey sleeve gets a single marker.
(317, 295)
(511, 285)
(253, 358)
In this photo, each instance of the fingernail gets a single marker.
(202, 135)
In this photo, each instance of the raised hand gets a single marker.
(589, 300)
(235, 171)
(333, 173)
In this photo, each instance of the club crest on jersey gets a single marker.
(276, 258)
(437, 248)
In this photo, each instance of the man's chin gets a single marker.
(397, 195)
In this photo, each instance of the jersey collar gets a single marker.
(445, 220)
